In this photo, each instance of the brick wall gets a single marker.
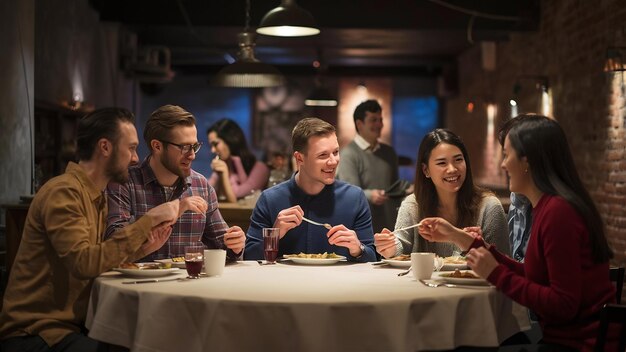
(569, 48)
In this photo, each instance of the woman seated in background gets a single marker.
(444, 187)
(236, 172)
(564, 278)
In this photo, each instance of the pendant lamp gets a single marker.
(288, 20)
(247, 71)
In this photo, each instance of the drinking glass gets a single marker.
(270, 244)
(194, 258)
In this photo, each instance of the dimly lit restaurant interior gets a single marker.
(312, 175)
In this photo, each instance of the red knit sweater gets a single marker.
(558, 279)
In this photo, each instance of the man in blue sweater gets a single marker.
(314, 193)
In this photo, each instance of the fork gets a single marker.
(405, 272)
(327, 226)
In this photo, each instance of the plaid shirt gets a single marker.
(128, 202)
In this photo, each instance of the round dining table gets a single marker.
(292, 307)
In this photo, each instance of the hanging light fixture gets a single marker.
(320, 96)
(247, 71)
(288, 20)
(614, 61)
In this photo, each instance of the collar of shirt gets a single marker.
(365, 145)
(76, 170)
(149, 177)
(518, 201)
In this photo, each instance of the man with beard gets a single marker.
(166, 174)
(314, 193)
(62, 248)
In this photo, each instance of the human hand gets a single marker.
(474, 231)
(219, 165)
(385, 243)
(343, 237)
(164, 214)
(378, 197)
(195, 204)
(156, 238)
(235, 239)
(288, 218)
(481, 261)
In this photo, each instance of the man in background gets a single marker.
(62, 248)
(372, 166)
(166, 174)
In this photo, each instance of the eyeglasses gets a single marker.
(186, 148)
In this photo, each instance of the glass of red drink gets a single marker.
(270, 244)
(194, 258)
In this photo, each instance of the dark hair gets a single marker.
(506, 126)
(163, 120)
(544, 144)
(469, 196)
(230, 132)
(98, 124)
(366, 106)
(307, 128)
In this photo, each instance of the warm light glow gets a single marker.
(309, 102)
(513, 102)
(288, 31)
(491, 115)
(470, 107)
(546, 103)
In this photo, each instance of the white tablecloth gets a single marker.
(288, 307)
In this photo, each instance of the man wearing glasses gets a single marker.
(166, 174)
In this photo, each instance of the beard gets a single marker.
(115, 172)
(172, 167)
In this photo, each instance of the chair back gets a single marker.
(616, 275)
(612, 314)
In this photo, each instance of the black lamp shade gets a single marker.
(288, 20)
(321, 96)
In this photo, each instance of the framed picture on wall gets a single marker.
(272, 130)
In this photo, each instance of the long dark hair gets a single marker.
(542, 141)
(469, 195)
(230, 132)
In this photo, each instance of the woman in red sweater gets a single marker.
(564, 278)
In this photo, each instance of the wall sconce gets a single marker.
(614, 60)
(541, 84)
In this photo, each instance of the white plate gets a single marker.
(315, 261)
(398, 263)
(451, 267)
(148, 272)
(462, 281)
(174, 264)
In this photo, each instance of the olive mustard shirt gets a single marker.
(60, 254)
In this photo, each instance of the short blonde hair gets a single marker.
(307, 128)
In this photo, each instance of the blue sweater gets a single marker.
(339, 203)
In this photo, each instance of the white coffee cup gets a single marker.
(422, 265)
(214, 261)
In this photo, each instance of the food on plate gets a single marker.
(402, 257)
(461, 274)
(324, 255)
(455, 259)
(145, 266)
(178, 259)
(129, 266)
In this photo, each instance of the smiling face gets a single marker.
(318, 163)
(516, 168)
(218, 146)
(172, 158)
(446, 168)
(371, 126)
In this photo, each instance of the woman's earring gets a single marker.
(526, 171)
